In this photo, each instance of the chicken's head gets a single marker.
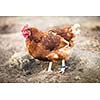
(25, 31)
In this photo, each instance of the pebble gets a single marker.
(77, 78)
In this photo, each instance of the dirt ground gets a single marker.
(83, 65)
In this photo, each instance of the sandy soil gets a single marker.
(84, 63)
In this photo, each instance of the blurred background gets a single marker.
(13, 24)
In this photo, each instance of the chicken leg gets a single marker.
(49, 68)
(63, 66)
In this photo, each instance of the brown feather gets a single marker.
(40, 44)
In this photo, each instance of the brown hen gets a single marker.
(42, 45)
(54, 45)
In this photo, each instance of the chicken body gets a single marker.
(53, 45)
(40, 44)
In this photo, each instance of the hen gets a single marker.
(53, 45)
(41, 45)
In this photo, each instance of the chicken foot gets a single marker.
(63, 67)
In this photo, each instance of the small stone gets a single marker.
(77, 78)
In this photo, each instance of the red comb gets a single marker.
(25, 32)
(24, 28)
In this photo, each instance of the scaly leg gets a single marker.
(63, 66)
(49, 68)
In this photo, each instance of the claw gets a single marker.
(62, 70)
